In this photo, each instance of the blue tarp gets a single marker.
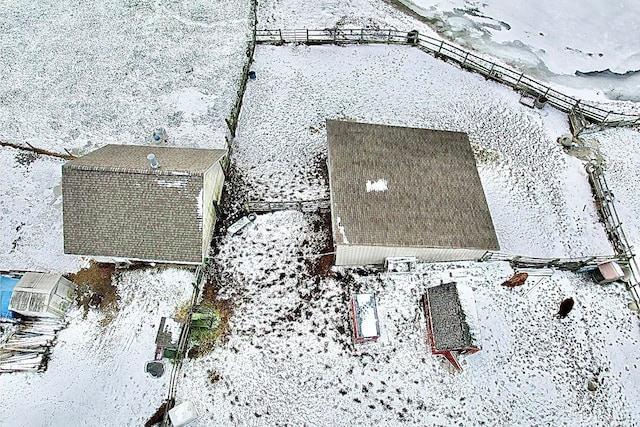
(6, 289)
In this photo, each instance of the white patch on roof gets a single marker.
(341, 230)
(200, 207)
(379, 185)
(177, 183)
(468, 304)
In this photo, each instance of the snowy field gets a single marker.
(586, 45)
(290, 358)
(281, 139)
(80, 75)
(549, 40)
(31, 214)
(298, 14)
(623, 176)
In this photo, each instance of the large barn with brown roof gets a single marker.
(400, 192)
(117, 206)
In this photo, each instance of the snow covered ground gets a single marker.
(524, 170)
(31, 214)
(96, 373)
(290, 358)
(81, 74)
(298, 14)
(555, 40)
(623, 176)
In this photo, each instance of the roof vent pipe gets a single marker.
(153, 161)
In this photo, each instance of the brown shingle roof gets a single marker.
(434, 196)
(116, 205)
(133, 158)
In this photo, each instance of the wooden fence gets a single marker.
(445, 50)
(319, 205)
(573, 264)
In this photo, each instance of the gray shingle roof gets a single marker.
(115, 205)
(434, 197)
(450, 328)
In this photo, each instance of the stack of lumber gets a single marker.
(28, 348)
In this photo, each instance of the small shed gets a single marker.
(365, 317)
(142, 203)
(405, 192)
(452, 321)
(42, 295)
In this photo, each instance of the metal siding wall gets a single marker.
(364, 255)
(212, 185)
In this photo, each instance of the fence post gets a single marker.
(389, 37)
(440, 48)
(464, 61)
(519, 78)
(307, 35)
(280, 33)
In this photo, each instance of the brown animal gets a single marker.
(517, 279)
(565, 307)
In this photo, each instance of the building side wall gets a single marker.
(128, 215)
(37, 314)
(65, 289)
(368, 255)
(213, 183)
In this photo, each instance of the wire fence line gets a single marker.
(183, 340)
(571, 263)
(37, 150)
(581, 112)
(232, 120)
(542, 93)
(613, 226)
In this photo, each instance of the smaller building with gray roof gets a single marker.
(117, 206)
(405, 192)
(452, 321)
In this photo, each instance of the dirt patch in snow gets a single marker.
(95, 289)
